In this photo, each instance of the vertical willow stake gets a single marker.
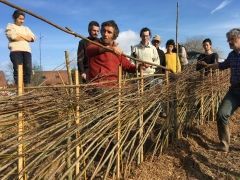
(167, 84)
(69, 115)
(176, 121)
(212, 96)
(119, 123)
(68, 67)
(77, 170)
(218, 91)
(177, 38)
(140, 155)
(202, 99)
(168, 105)
(21, 174)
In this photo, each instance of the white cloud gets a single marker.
(221, 6)
(126, 39)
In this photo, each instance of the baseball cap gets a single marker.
(156, 38)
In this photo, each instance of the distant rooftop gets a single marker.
(52, 77)
(3, 81)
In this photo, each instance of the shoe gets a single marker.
(224, 136)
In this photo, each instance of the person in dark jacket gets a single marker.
(82, 60)
(208, 56)
(156, 41)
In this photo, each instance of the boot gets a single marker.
(224, 136)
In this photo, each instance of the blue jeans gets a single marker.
(24, 58)
(229, 104)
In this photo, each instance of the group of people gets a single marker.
(146, 50)
(96, 63)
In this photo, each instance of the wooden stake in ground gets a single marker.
(68, 67)
(77, 170)
(69, 114)
(21, 173)
(140, 155)
(119, 123)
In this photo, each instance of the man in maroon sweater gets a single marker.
(103, 64)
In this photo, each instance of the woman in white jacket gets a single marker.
(19, 37)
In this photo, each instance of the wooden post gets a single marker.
(77, 170)
(69, 114)
(212, 98)
(21, 173)
(177, 38)
(119, 123)
(167, 83)
(176, 111)
(167, 104)
(202, 100)
(140, 155)
(218, 92)
(68, 68)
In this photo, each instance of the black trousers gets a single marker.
(24, 58)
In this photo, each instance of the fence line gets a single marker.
(85, 132)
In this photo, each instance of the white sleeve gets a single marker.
(11, 32)
(156, 56)
(30, 33)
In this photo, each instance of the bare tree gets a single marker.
(37, 77)
(9, 73)
(194, 44)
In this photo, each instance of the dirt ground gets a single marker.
(191, 158)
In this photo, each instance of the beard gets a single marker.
(106, 42)
(231, 45)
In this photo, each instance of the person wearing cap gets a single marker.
(156, 41)
(146, 51)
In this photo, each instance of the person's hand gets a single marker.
(117, 50)
(146, 65)
(143, 66)
(114, 44)
(203, 63)
(26, 37)
(84, 76)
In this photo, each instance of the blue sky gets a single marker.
(197, 18)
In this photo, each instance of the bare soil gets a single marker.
(191, 158)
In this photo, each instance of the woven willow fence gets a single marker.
(88, 132)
